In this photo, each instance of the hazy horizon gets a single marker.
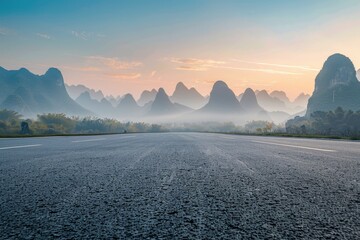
(116, 46)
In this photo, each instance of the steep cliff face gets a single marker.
(336, 85)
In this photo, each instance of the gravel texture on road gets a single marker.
(179, 186)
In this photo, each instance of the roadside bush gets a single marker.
(59, 123)
(333, 123)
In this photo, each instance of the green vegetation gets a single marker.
(262, 127)
(11, 124)
(338, 123)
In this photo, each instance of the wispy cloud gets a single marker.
(4, 31)
(195, 64)
(43, 35)
(83, 35)
(246, 83)
(264, 70)
(83, 69)
(124, 75)
(305, 68)
(153, 73)
(192, 68)
(114, 62)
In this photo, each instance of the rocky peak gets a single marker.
(128, 99)
(147, 96)
(161, 103)
(280, 95)
(222, 99)
(162, 97)
(187, 97)
(180, 90)
(55, 76)
(84, 95)
(249, 96)
(180, 87)
(263, 93)
(222, 93)
(337, 70)
(249, 101)
(336, 85)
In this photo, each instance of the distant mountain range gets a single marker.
(223, 105)
(190, 97)
(336, 85)
(30, 94)
(269, 102)
(278, 101)
(75, 91)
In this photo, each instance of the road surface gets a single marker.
(179, 186)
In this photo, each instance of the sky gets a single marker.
(132, 45)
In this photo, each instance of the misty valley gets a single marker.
(49, 106)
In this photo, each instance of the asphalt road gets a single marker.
(179, 186)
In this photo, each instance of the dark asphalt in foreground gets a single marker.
(179, 186)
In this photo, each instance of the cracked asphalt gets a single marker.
(179, 186)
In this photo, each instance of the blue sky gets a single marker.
(118, 45)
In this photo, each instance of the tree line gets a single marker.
(12, 123)
(340, 122)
